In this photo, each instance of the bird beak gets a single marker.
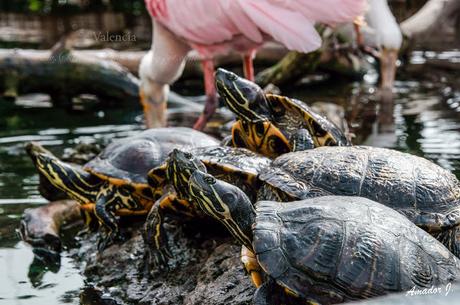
(388, 58)
(155, 113)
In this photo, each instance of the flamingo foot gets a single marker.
(211, 94)
(209, 109)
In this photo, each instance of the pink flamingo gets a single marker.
(218, 26)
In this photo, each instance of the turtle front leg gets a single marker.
(252, 266)
(301, 140)
(154, 235)
(110, 199)
(90, 221)
(106, 216)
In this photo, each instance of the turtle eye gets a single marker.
(228, 197)
(188, 155)
(210, 180)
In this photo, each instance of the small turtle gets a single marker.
(271, 124)
(328, 249)
(235, 165)
(115, 182)
(421, 190)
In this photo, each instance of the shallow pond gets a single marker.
(424, 120)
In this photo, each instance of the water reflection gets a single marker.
(26, 283)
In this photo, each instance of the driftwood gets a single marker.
(336, 56)
(63, 75)
(269, 54)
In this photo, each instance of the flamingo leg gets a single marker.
(248, 66)
(211, 95)
(357, 24)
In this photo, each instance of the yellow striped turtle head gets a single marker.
(243, 97)
(176, 170)
(75, 182)
(225, 203)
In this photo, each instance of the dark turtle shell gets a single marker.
(129, 160)
(421, 190)
(290, 114)
(338, 248)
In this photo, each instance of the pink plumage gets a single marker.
(251, 22)
(218, 26)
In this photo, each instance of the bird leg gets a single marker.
(153, 100)
(248, 66)
(388, 59)
(211, 95)
(357, 24)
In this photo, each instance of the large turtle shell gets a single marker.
(290, 114)
(338, 248)
(128, 160)
(423, 191)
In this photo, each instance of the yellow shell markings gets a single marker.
(301, 117)
(260, 142)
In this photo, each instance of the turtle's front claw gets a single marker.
(158, 259)
(106, 241)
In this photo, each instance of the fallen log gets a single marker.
(63, 76)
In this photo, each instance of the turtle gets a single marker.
(424, 192)
(235, 165)
(419, 189)
(272, 124)
(329, 249)
(115, 182)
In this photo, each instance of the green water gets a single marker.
(425, 120)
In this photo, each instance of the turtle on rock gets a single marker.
(238, 166)
(326, 250)
(115, 182)
(425, 193)
(272, 124)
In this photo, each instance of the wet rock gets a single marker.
(82, 153)
(205, 269)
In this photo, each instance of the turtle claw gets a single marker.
(106, 241)
(158, 260)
